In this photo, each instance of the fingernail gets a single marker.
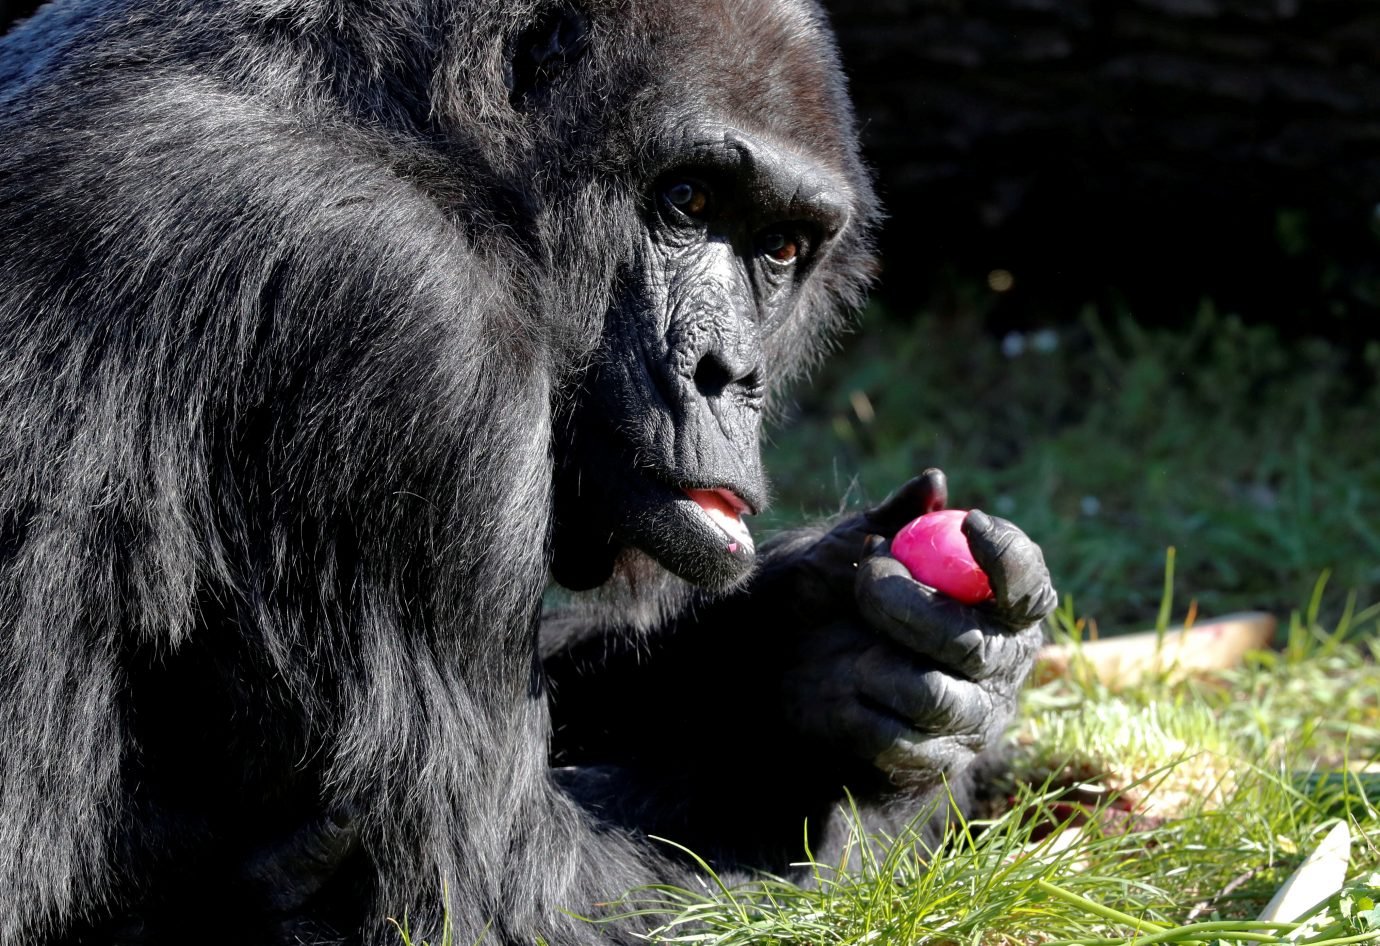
(871, 544)
(977, 521)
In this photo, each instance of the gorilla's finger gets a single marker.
(869, 731)
(932, 625)
(925, 699)
(928, 492)
(872, 731)
(911, 760)
(1015, 566)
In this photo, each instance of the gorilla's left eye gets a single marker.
(689, 198)
(780, 246)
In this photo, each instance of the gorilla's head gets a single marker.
(736, 214)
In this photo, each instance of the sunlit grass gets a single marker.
(1193, 801)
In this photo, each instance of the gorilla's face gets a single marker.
(737, 220)
(672, 408)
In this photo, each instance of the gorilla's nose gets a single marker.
(721, 371)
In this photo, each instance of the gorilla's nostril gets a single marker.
(712, 376)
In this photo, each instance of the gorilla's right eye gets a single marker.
(689, 198)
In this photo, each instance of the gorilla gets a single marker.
(334, 332)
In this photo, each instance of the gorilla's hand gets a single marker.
(887, 670)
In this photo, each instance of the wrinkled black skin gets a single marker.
(677, 392)
(329, 331)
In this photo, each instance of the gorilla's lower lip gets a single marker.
(725, 509)
(703, 545)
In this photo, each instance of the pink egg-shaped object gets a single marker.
(935, 551)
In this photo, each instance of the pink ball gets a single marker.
(935, 550)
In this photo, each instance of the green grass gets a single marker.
(1257, 457)
(1196, 797)
(1200, 796)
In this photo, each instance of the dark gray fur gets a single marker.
(291, 293)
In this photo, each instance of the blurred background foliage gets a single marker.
(1129, 294)
(1252, 452)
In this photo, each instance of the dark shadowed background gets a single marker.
(1160, 150)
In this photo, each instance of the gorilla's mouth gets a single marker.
(725, 509)
(692, 529)
(695, 531)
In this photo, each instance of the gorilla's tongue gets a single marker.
(725, 511)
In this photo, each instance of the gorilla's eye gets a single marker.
(780, 246)
(689, 198)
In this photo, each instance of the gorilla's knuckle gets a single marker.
(970, 653)
(927, 759)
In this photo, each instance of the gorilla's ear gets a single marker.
(544, 50)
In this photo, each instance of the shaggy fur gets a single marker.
(292, 292)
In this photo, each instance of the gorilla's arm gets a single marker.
(832, 674)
